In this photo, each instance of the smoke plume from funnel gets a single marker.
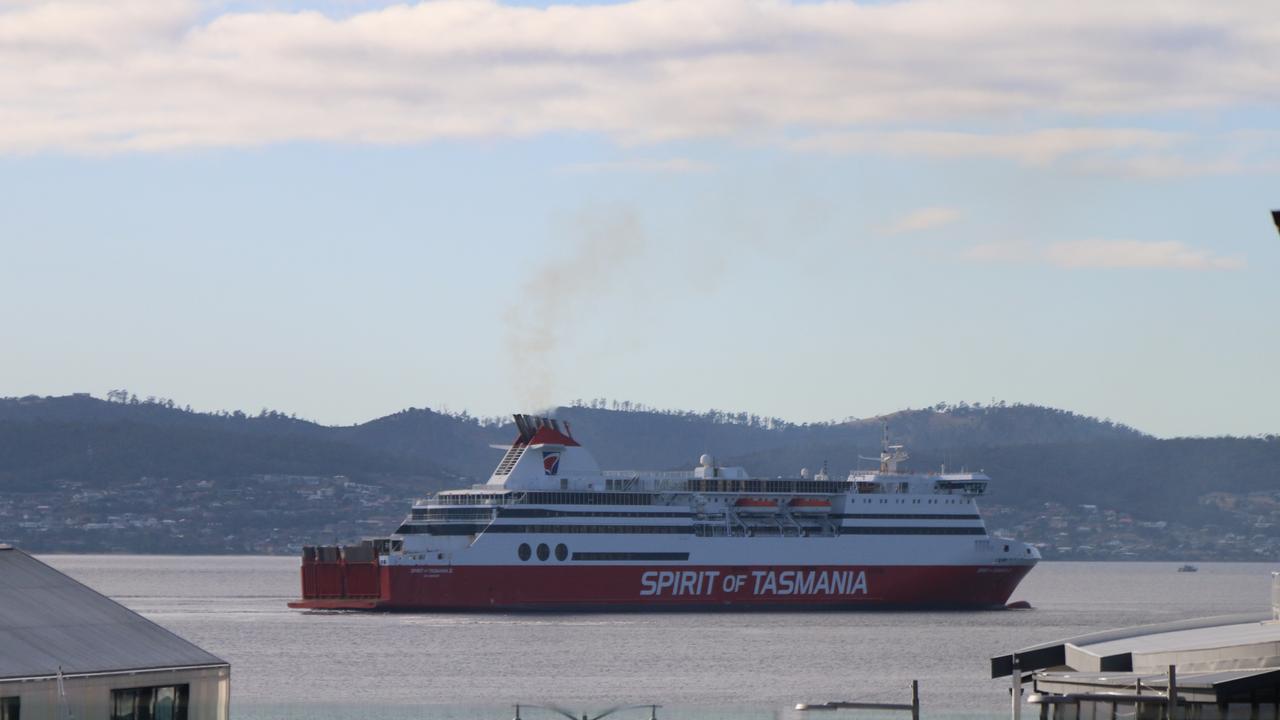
(545, 310)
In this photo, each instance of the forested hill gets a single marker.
(1036, 455)
(97, 441)
(666, 439)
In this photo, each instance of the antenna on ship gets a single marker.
(890, 455)
(884, 447)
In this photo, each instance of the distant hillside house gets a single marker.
(67, 651)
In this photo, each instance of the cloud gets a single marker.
(1038, 147)
(1165, 166)
(642, 165)
(1136, 254)
(929, 218)
(1125, 152)
(87, 76)
(1034, 147)
(1000, 252)
(1105, 254)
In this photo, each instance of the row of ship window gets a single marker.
(458, 514)
(831, 487)
(484, 515)
(525, 552)
(920, 501)
(476, 529)
(644, 498)
(464, 524)
(785, 531)
(587, 498)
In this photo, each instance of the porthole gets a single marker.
(544, 552)
(524, 551)
(562, 552)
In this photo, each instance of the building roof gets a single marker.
(49, 621)
(1221, 686)
(1202, 644)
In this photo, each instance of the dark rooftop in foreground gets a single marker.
(49, 621)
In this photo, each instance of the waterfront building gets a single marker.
(1216, 668)
(67, 651)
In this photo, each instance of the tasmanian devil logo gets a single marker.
(551, 462)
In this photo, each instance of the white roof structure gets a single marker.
(1223, 686)
(50, 621)
(1199, 645)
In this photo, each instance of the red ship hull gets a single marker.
(368, 586)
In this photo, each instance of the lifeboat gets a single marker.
(755, 505)
(810, 505)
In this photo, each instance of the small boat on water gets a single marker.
(1188, 568)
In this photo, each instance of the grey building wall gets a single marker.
(88, 697)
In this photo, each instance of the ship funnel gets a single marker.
(548, 429)
(522, 426)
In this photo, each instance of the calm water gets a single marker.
(291, 664)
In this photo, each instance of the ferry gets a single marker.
(551, 531)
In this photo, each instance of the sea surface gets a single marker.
(698, 666)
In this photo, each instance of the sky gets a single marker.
(810, 210)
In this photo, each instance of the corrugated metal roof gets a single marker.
(1214, 636)
(1215, 686)
(48, 620)
(1160, 681)
(1114, 650)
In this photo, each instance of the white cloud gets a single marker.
(1038, 147)
(1000, 252)
(1128, 152)
(640, 165)
(1136, 254)
(1106, 254)
(83, 75)
(1098, 147)
(1163, 166)
(929, 218)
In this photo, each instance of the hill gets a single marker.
(120, 467)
